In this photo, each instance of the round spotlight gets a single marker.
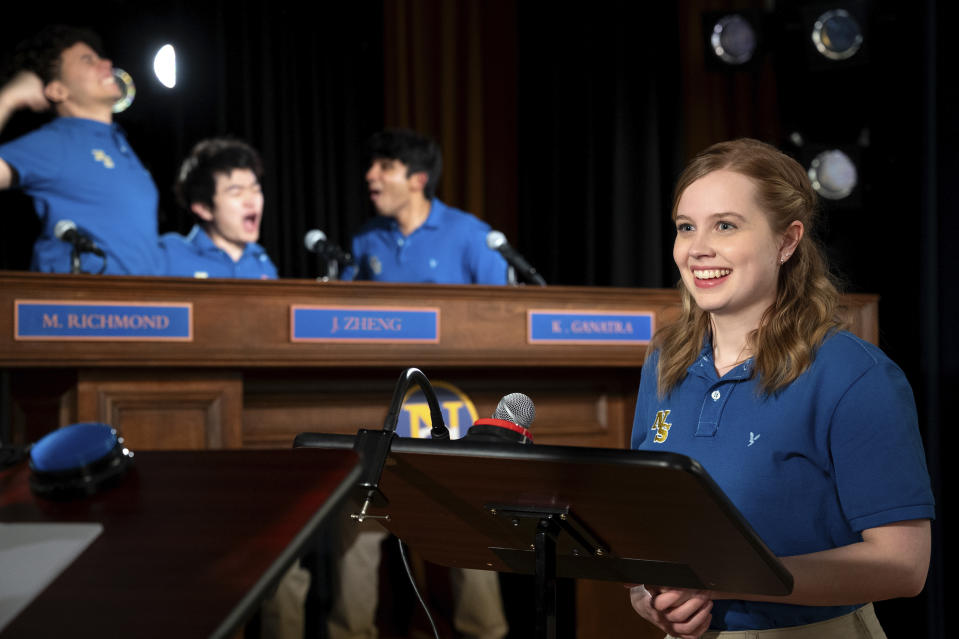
(733, 39)
(164, 66)
(836, 34)
(833, 174)
(128, 90)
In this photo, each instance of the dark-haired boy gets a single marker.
(416, 237)
(78, 167)
(220, 183)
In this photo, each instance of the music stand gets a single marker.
(564, 511)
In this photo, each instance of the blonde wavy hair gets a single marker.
(805, 310)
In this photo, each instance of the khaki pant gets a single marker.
(859, 624)
(477, 603)
(282, 615)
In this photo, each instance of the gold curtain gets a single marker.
(449, 72)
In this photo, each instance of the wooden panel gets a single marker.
(165, 410)
(480, 325)
(40, 401)
(579, 407)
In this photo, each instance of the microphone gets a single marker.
(497, 241)
(67, 231)
(316, 242)
(511, 422)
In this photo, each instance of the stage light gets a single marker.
(836, 34)
(833, 174)
(164, 66)
(733, 39)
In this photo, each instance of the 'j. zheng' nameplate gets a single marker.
(102, 321)
(589, 327)
(364, 324)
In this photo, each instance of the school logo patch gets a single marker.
(456, 406)
(100, 156)
(661, 426)
(376, 267)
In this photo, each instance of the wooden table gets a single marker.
(191, 541)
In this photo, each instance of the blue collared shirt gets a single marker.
(85, 171)
(448, 248)
(195, 255)
(810, 467)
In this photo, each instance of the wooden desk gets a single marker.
(242, 382)
(191, 541)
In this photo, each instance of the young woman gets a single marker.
(810, 431)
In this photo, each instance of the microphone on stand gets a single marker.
(497, 241)
(316, 242)
(67, 231)
(511, 422)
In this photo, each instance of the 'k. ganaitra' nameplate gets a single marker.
(380, 324)
(102, 321)
(589, 327)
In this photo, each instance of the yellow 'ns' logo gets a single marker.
(100, 156)
(661, 426)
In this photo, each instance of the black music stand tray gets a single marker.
(564, 511)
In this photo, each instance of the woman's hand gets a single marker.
(680, 612)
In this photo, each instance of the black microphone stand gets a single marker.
(78, 249)
(75, 258)
(373, 446)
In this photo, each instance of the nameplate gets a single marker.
(102, 321)
(380, 324)
(589, 327)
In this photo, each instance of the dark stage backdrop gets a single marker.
(565, 129)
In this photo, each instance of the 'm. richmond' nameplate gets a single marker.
(589, 327)
(364, 324)
(102, 321)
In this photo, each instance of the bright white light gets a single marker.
(164, 66)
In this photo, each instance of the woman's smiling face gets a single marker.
(725, 249)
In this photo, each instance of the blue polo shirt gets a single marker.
(195, 255)
(832, 454)
(448, 248)
(85, 171)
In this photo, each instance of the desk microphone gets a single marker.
(67, 231)
(316, 242)
(511, 422)
(497, 241)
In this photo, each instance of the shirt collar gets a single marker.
(704, 366)
(199, 238)
(437, 214)
(433, 221)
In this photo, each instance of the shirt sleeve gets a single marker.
(877, 452)
(269, 268)
(36, 157)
